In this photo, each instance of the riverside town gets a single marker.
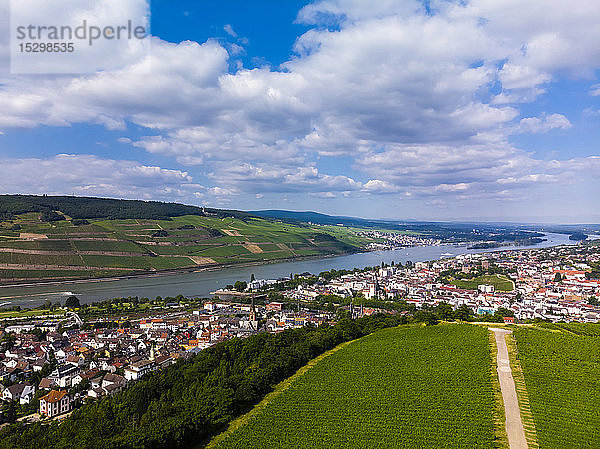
(79, 353)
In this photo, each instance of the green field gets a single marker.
(30, 313)
(186, 241)
(500, 283)
(405, 387)
(561, 372)
(590, 329)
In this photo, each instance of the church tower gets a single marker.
(253, 320)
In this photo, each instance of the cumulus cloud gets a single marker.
(378, 186)
(95, 176)
(422, 102)
(544, 124)
(270, 178)
(90, 54)
(323, 195)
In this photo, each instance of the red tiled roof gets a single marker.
(54, 396)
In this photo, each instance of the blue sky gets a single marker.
(476, 110)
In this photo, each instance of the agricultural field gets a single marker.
(404, 387)
(561, 366)
(589, 329)
(500, 282)
(86, 248)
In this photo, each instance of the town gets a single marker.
(55, 362)
(392, 240)
(553, 284)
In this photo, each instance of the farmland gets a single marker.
(31, 249)
(561, 366)
(401, 387)
(589, 329)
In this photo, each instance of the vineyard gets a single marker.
(561, 372)
(31, 248)
(402, 387)
(590, 329)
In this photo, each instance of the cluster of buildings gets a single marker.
(69, 367)
(55, 361)
(391, 240)
(549, 284)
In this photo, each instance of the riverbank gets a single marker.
(166, 272)
(201, 282)
(142, 274)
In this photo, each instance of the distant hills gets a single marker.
(472, 230)
(65, 237)
(448, 231)
(313, 217)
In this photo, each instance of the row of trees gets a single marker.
(445, 311)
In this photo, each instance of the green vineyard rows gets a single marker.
(561, 372)
(398, 388)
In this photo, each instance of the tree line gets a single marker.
(87, 207)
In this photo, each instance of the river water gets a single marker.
(201, 283)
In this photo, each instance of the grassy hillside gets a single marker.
(52, 244)
(500, 282)
(561, 369)
(402, 388)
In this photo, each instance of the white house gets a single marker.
(55, 403)
(22, 392)
(63, 374)
(138, 369)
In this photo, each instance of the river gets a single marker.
(201, 283)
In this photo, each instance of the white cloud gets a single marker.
(324, 195)
(219, 191)
(378, 186)
(522, 77)
(229, 30)
(544, 124)
(413, 103)
(263, 178)
(91, 175)
(352, 10)
(88, 56)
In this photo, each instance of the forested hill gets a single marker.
(88, 207)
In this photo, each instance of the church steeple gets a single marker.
(252, 318)
(252, 310)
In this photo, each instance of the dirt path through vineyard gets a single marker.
(514, 425)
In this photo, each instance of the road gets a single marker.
(514, 425)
